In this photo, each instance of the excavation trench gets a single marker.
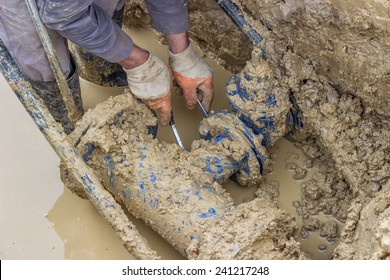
(324, 191)
(274, 216)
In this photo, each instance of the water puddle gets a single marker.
(85, 235)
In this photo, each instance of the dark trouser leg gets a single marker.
(51, 95)
(97, 70)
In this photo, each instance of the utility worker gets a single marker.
(94, 25)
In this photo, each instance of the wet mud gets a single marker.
(331, 57)
(333, 200)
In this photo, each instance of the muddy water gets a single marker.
(290, 191)
(41, 219)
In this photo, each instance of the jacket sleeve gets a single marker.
(88, 26)
(169, 16)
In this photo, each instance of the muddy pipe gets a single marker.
(276, 112)
(261, 103)
(177, 193)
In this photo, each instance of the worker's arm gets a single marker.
(88, 26)
(192, 74)
(92, 28)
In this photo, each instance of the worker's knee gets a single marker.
(58, 14)
(24, 45)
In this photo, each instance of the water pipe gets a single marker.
(276, 111)
(174, 191)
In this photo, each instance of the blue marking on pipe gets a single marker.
(222, 136)
(207, 137)
(153, 203)
(209, 214)
(197, 194)
(241, 91)
(209, 188)
(88, 183)
(123, 159)
(118, 115)
(192, 237)
(270, 101)
(232, 91)
(237, 16)
(109, 170)
(142, 185)
(153, 178)
(244, 163)
(89, 149)
(212, 164)
(152, 130)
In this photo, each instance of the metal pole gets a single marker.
(102, 199)
(238, 17)
(73, 113)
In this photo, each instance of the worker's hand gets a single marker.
(163, 105)
(151, 82)
(193, 76)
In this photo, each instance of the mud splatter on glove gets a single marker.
(151, 82)
(194, 77)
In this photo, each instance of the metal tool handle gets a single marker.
(201, 108)
(176, 133)
(174, 129)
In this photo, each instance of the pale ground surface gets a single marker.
(40, 219)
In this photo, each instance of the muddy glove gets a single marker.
(151, 83)
(193, 76)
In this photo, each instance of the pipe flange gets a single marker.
(223, 125)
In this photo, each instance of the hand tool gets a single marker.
(176, 133)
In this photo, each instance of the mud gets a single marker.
(254, 230)
(231, 51)
(178, 197)
(332, 57)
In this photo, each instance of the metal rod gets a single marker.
(201, 108)
(238, 17)
(73, 113)
(97, 194)
(176, 133)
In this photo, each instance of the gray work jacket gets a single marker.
(87, 25)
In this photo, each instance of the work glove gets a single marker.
(193, 76)
(151, 82)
